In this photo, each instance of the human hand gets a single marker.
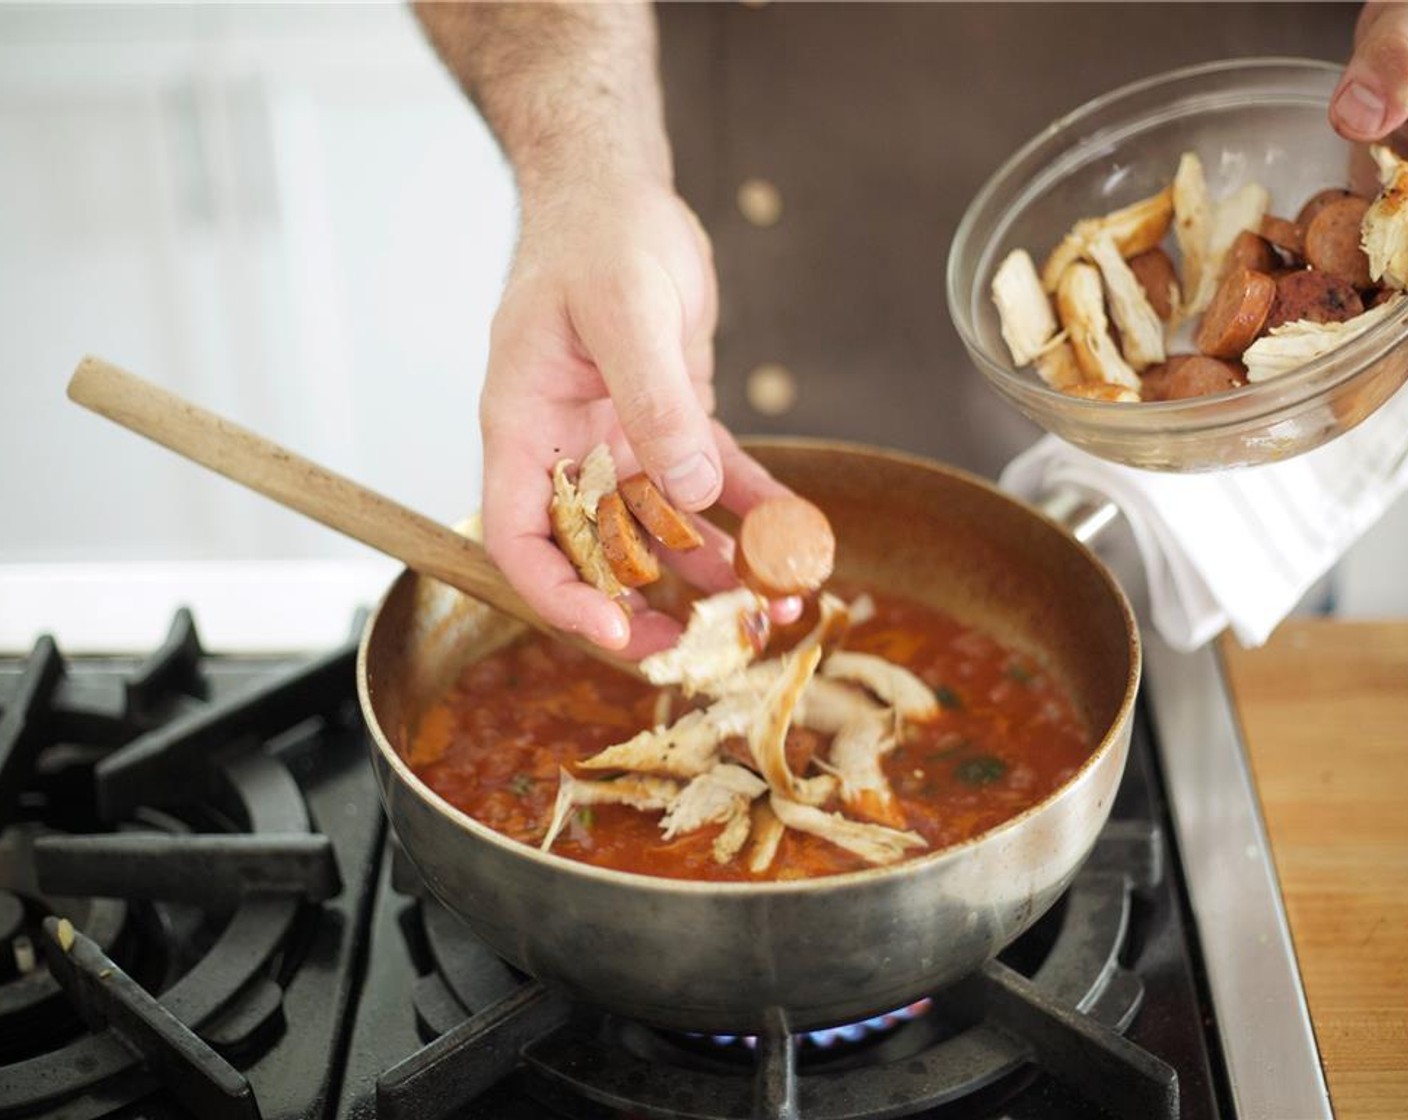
(1371, 100)
(605, 334)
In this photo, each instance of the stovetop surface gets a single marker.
(341, 973)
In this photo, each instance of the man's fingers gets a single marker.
(746, 482)
(708, 567)
(1372, 97)
(651, 631)
(516, 536)
(632, 328)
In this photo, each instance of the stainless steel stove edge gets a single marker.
(1263, 1022)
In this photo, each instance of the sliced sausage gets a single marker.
(1159, 279)
(1318, 201)
(1154, 380)
(1332, 241)
(1201, 376)
(1234, 318)
(1310, 294)
(1249, 250)
(785, 547)
(630, 557)
(1285, 235)
(660, 519)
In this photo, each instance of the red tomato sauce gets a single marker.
(1007, 737)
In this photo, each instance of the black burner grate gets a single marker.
(188, 819)
(1065, 1018)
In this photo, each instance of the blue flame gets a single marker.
(849, 1032)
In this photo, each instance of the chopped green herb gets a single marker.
(1019, 673)
(980, 771)
(947, 697)
(520, 785)
(585, 817)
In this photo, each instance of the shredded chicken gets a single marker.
(724, 634)
(1057, 365)
(638, 792)
(827, 705)
(1080, 300)
(758, 703)
(1291, 345)
(855, 757)
(571, 520)
(861, 609)
(685, 749)
(767, 739)
(767, 835)
(720, 796)
(832, 626)
(1385, 228)
(1192, 227)
(1134, 228)
(911, 698)
(596, 479)
(872, 842)
(1242, 210)
(1141, 330)
(1100, 391)
(1022, 307)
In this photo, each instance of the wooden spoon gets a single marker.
(308, 488)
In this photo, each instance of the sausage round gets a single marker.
(630, 557)
(1159, 279)
(1154, 379)
(1332, 241)
(1250, 250)
(1201, 376)
(785, 547)
(657, 516)
(1234, 318)
(1318, 201)
(1285, 235)
(1310, 294)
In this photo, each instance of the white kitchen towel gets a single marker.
(1238, 547)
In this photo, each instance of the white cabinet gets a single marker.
(291, 216)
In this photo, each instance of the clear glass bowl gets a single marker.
(1248, 119)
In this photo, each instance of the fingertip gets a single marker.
(610, 628)
(651, 632)
(786, 610)
(1359, 112)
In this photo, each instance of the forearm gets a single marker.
(571, 91)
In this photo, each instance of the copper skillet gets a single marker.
(727, 957)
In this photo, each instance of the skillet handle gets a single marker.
(307, 488)
(1084, 513)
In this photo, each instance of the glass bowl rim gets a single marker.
(1235, 408)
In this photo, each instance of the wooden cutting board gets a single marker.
(1324, 710)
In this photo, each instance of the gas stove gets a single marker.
(202, 916)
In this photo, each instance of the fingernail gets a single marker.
(786, 610)
(692, 483)
(615, 631)
(1360, 108)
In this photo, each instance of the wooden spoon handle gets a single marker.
(305, 486)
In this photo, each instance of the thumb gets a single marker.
(1372, 97)
(633, 329)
